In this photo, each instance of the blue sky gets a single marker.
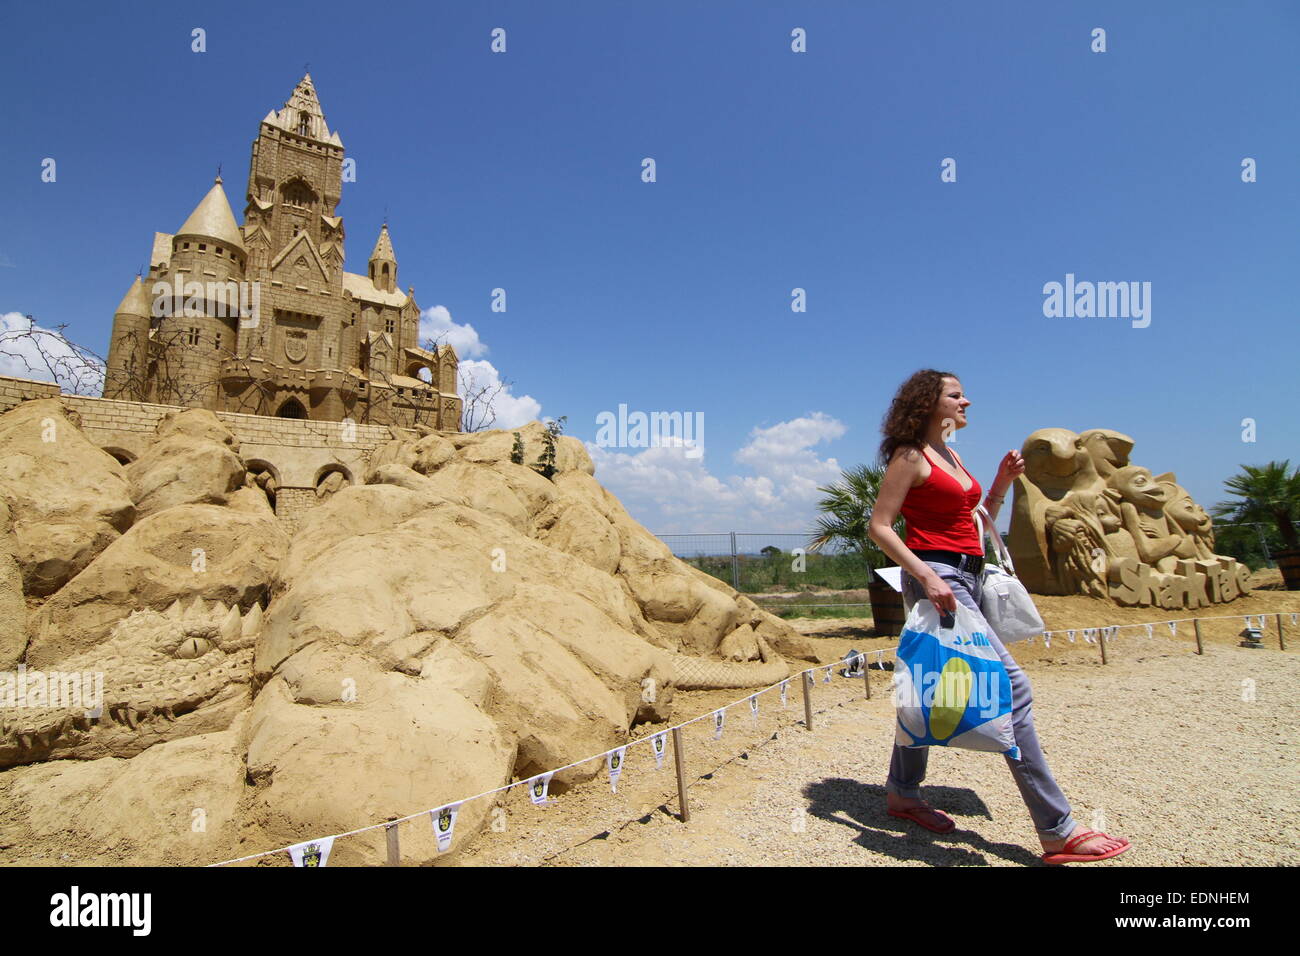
(775, 170)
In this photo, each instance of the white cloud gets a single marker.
(31, 351)
(669, 492)
(511, 410)
(464, 339)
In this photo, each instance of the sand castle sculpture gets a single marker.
(447, 622)
(1085, 520)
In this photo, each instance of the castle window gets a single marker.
(185, 245)
(304, 123)
(192, 337)
(218, 250)
(388, 325)
(203, 247)
(217, 342)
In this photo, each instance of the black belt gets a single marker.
(962, 562)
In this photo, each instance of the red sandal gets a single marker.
(1064, 855)
(913, 814)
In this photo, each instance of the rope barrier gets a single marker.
(1105, 632)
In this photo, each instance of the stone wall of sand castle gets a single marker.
(300, 454)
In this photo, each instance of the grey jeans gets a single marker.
(1047, 805)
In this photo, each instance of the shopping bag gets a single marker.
(950, 687)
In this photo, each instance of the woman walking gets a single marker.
(942, 561)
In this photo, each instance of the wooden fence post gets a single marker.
(1281, 641)
(807, 700)
(679, 761)
(394, 854)
(1200, 649)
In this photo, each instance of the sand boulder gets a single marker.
(67, 499)
(193, 460)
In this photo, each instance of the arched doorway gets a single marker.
(292, 408)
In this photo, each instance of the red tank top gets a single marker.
(938, 513)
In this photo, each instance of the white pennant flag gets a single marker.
(538, 787)
(444, 824)
(719, 718)
(1090, 635)
(659, 744)
(753, 707)
(1295, 617)
(1150, 630)
(853, 665)
(1070, 636)
(311, 853)
(614, 761)
(785, 686)
(1261, 622)
(1047, 638)
(1173, 628)
(827, 678)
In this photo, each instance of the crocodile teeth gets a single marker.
(253, 621)
(175, 612)
(232, 627)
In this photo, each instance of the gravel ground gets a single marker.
(1158, 746)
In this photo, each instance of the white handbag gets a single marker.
(1005, 603)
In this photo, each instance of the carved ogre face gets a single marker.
(1136, 486)
(1056, 460)
(1109, 449)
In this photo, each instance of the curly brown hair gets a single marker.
(909, 413)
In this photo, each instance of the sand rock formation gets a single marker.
(453, 622)
(193, 460)
(67, 499)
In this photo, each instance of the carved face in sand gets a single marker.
(1136, 486)
(1109, 449)
(1057, 461)
(1187, 514)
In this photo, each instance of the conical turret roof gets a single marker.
(136, 300)
(213, 219)
(384, 246)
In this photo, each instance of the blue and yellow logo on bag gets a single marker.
(953, 691)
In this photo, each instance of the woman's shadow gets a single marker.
(861, 807)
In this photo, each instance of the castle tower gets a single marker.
(201, 295)
(128, 349)
(383, 264)
(295, 179)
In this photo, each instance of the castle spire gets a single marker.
(135, 302)
(302, 114)
(213, 219)
(383, 263)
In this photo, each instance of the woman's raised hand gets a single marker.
(1011, 467)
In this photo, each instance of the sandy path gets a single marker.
(1157, 741)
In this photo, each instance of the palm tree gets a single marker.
(1268, 493)
(846, 514)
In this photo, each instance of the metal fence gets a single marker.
(752, 556)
